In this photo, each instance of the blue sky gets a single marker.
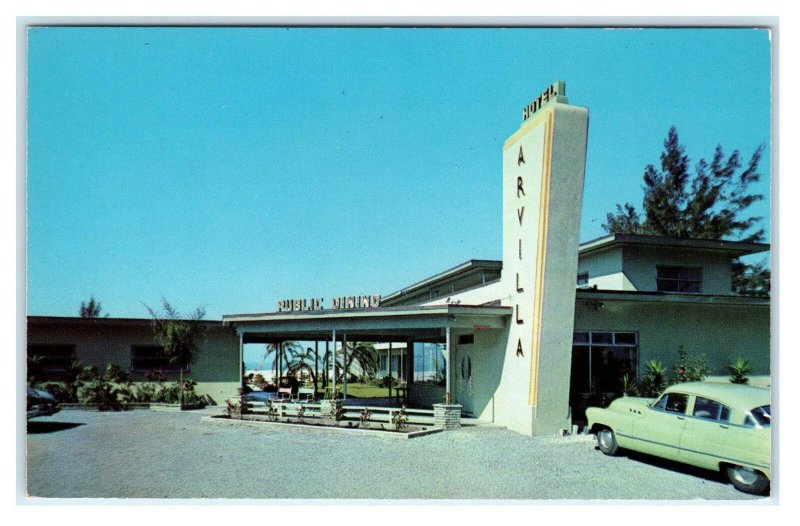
(233, 167)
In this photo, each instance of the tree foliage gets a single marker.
(180, 335)
(91, 308)
(364, 355)
(284, 356)
(711, 203)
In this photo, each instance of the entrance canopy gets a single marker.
(377, 324)
(380, 324)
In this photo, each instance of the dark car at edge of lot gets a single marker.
(41, 403)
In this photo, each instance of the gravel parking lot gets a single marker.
(150, 454)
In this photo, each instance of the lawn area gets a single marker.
(367, 391)
(359, 390)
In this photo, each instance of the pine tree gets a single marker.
(90, 309)
(709, 204)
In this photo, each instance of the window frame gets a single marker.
(587, 340)
(169, 368)
(680, 283)
(55, 358)
(718, 418)
(657, 406)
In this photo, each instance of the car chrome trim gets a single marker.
(738, 462)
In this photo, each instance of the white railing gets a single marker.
(281, 409)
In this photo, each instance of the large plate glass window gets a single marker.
(600, 359)
(430, 363)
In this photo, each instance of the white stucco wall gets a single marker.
(639, 265)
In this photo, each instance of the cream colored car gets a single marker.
(715, 426)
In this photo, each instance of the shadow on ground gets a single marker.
(679, 467)
(38, 427)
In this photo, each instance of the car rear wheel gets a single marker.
(607, 441)
(748, 480)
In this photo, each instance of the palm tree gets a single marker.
(71, 378)
(362, 353)
(284, 356)
(178, 334)
(302, 362)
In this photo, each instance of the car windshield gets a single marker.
(760, 416)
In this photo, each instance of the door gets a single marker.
(659, 430)
(464, 373)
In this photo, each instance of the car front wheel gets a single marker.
(607, 441)
(748, 480)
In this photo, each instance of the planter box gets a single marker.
(447, 416)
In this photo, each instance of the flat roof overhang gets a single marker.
(381, 324)
(733, 248)
(669, 297)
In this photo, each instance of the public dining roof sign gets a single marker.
(342, 302)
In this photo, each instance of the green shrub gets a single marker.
(654, 379)
(739, 371)
(144, 393)
(167, 394)
(57, 390)
(690, 368)
(101, 393)
(629, 386)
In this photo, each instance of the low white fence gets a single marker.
(388, 415)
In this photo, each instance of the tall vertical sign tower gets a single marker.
(543, 170)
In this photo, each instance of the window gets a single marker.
(672, 403)
(711, 410)
(466, 339)
(429, 363)
(53, 358)
(583, 279)
(152, 358)
(601, 359)
(759, 417)
(679, 279)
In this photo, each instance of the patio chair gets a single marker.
(306, 394)
(285, 394)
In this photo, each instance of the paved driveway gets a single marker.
(149, 454)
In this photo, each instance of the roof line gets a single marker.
(462, 267)
(740, 247)
(674, 297)
(106, 319)
(373, 311)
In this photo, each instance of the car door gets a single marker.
(710, 437)
(659, 430)
(705, 432)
